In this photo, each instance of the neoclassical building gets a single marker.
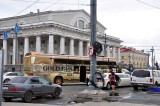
(54, 32)
(138, 58)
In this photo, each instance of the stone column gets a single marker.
(5, 51)
(26, 45)
(108, 51)
(14, 46)
(62, 45)
(88, 44)
(51, 44)
(118, 53)
(80, 48)
(102, 53)
(71, 46)
(114, 52)
(38, 44)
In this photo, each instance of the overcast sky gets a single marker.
(135, 22)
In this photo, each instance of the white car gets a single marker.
(144, 78)
(7, 76)
(124, 80)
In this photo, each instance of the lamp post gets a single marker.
(152, 50)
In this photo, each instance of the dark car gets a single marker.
(29, 87)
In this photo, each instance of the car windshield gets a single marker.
(18, 80)
(141, 73)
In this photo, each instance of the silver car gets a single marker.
(29, 87)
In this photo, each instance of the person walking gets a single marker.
(112, 79)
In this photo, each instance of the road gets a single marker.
(126, 94)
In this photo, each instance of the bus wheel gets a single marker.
(58, 80)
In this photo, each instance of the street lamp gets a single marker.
(152, 50)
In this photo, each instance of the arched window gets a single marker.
(80, 24)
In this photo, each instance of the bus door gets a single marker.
(76, 73)
(82, 73)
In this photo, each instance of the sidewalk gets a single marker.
(77, 104)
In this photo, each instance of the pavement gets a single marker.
(104, 103)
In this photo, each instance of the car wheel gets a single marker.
(135, 88)
(7, 99)
(58, 80)
(56, 93)
(108, 86)
(6, 80)
(28, 96)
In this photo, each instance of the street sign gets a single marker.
(16, 28)
(90, 50)
(1, 75)
(5, 34)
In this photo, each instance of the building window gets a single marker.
(11, 44)
(43, 41)
(10, 59)
(122, 57)
(21, 59)
(21, 43)
(75, 25)
(81, 24)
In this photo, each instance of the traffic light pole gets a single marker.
(93, 22)
(152, 50)
(16, 51)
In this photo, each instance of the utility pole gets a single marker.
(152, 50)
(93, 22)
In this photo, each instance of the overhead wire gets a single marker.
(27, 7)
(51, 5)
(52, 2)
(148, 4)
(22, 10)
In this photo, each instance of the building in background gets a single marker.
(54, 32)
(137, 58)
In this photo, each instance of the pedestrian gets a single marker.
(112, 79)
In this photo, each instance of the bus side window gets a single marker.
(76, 69)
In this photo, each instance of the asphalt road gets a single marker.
(126, 94)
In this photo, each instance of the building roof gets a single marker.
(131, 49)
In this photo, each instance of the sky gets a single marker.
(135, 22)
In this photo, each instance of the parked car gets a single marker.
(124, 80)
(7, 76)
(144, 78)
(28, 87)
(126, 71)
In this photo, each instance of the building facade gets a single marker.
(54, 32)
(137, 58)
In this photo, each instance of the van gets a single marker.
(144, 78)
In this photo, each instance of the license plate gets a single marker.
(5, 88)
